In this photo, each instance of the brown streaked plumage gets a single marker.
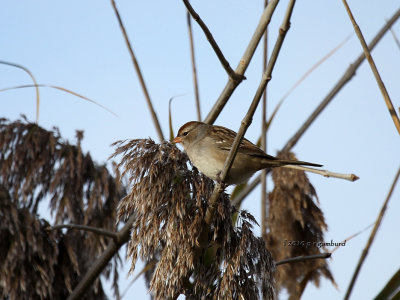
(208, 146)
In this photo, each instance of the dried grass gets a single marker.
(295, 216)
(37, 165)
(169, 199)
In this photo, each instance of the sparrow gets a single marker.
(207, 147)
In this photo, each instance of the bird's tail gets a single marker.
(284, 162)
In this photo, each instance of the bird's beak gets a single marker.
(177, 140)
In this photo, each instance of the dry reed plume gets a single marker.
(37, 166)
(295, 216)
(169, 199)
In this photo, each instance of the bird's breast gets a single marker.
(207, 163)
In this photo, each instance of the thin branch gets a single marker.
(352, 237)
(100, 231)
(139, 73)
(99, 265)
(237, 201)
(325, 173)
(350, 72)
(202, 241)
(253, 106)
(374, 69)
(395, 37)
(234, 76)
(61, 89)
(260, 90)
(303, 258)
(264, 195)
(315, 66)
(371, 237)
(194, 70)
(243, 63)
(34, 82)
(298, 82)
(249, 188)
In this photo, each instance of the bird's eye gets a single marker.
(185, 133)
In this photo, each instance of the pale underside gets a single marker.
(211, 161)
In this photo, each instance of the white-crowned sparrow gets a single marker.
(208, 146)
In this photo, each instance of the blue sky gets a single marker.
(78, 45)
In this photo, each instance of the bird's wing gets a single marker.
(246, 147)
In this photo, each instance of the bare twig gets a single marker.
(260, 90)
(34, 82)
(352, 237)
(202, 241)
(325, 173)
(264, 195)
(374, 69)
(309, 71)
(194, 70)
(252, 185)
(237, 201)
(234, 76)
(395, 37)
(139, 73)
(243, 63)
(350, 72)
(303, 258)
(61, 89)
(245, 124)
(99, 265)
(249, 188)
(298, 82)
(100, 231)
(257, 97)
(372, 236)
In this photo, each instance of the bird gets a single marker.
(207, 147)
